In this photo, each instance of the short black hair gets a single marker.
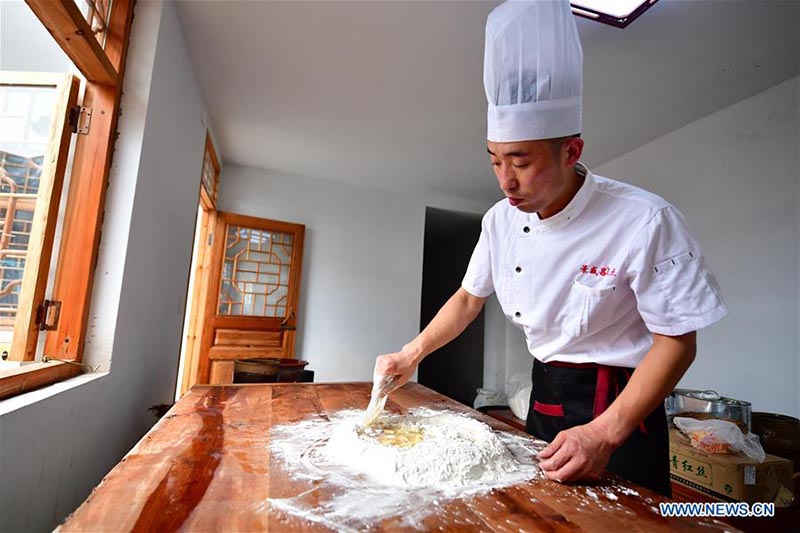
(557, 142)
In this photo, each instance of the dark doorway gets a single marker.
(455, 370)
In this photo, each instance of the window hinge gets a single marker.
(80, 118)
(47, 315)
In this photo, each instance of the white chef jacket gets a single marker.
(594, 281)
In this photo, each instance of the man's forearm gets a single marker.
(454, 316)
(654, 378)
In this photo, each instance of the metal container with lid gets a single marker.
(709, 402)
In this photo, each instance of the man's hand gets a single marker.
(578, 453)
(401, 365)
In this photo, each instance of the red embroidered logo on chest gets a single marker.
(598, 271)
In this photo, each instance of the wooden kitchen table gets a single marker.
(207, 466)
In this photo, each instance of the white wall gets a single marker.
(362, 263)
(55, 450)
(25, 43)
(735, 176)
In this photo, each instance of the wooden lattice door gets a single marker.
(251, 300)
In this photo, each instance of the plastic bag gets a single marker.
(519, 394)
(720, 436)
(489, 398)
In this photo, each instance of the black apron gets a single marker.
(565, 395)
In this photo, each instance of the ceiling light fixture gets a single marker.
(617, 13)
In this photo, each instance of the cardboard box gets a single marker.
(729, 477)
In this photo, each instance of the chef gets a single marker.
(605, 279)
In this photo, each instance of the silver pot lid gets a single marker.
(710, 396)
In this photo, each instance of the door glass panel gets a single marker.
(255, 273)
(25, 119)
(278, 296)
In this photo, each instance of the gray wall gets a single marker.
(362, 263)
(54, 450)
(25, 43)
(735, 175)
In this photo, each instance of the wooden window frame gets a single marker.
(209, 198)
(202, 255)
(103, 69)
(43, 225)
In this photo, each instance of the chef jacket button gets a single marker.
(518, 269)
(526, 229)
(517, 314)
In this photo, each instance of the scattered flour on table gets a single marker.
(610, 495)
(404, 470)
(628, 491)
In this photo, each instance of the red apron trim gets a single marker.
(601, 389)
(605, 376)
(549, 409)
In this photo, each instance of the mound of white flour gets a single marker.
(441, 451)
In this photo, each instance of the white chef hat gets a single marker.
(532, 71)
